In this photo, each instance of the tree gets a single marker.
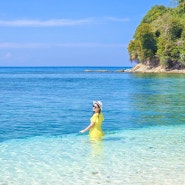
(154, 13)
(143, 48)
(160, 37)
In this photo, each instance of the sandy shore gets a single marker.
(141, 68)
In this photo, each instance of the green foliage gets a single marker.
(181, 8)
(143, 48)
(154, 13)
(175, 31)
(134, 50)
(160, 37)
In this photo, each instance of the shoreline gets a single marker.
(141, 68)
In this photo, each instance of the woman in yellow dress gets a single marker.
(95, 126)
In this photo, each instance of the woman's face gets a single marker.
(96, 108)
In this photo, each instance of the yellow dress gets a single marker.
(96, 131)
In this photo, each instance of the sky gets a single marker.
(69, 32)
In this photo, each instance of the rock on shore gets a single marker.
(148, 69)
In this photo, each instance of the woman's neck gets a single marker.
(97, 112)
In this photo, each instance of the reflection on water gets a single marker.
(96, 149)
(158, 99)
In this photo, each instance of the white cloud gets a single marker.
(48, 45)
(47, 23)
(59, 22)
(116, 19)
(8, 45)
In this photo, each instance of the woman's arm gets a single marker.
(88, 127)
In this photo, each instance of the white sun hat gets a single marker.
(99, 103)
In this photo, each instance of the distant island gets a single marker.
(158, 44)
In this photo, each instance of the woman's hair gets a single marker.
(99, 110)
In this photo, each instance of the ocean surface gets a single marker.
(42, 110)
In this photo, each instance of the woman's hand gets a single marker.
(88, 128)
(82, 131)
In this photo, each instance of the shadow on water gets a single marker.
(159, 75)
(113, 139)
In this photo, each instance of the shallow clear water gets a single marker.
(43, 109)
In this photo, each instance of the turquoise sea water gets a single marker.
(43, 109)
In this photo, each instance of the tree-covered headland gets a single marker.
(160, 37)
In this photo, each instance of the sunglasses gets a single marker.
(95, 106)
